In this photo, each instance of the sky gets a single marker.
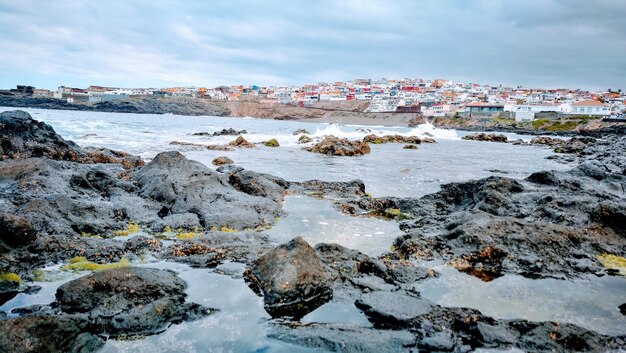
(159, 43)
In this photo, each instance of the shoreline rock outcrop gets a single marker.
(334, 146)
(486, 137)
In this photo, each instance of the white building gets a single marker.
(590, 107)
(438, 110)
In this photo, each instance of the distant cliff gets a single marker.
(143, 105)
(348, 112)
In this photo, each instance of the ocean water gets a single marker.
(388, 171)
(242, 325)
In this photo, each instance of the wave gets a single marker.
(360, 131)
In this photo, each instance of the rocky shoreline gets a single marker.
(63, 203)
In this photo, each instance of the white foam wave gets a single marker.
(358, 132)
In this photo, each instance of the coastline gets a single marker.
(344, 112)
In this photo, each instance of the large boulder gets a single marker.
(23, 137)
(184, 186)
(334, 146)
(47, 334)
(291, 278)
(129, 301)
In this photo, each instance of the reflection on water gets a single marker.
(240, 325)
(591, 303)
(317, 221)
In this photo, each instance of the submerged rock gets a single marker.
(291, 279)
(334, 146)
(409, 147)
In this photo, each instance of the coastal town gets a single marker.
(429, 98)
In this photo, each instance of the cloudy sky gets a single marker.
(535, 43)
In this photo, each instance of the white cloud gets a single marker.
(534, 42)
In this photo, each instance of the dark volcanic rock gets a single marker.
(257, 184)
(215, 247)
(185, 186)
(229, 132)
(486, 137)
(334, 146)
(47, 334)
(23, 137)
(344, 338)
(129, 301)
(393, 309)
(551, 224)
(291, 279)
(16, 231)
(375, 139)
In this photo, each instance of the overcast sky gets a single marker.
(155, 43)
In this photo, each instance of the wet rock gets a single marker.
(47, 334)
(304, 139)
(334, 146)
(291, 279)
(228, 132)
(375, 139)
(105, 155)
(16, 231)
(301, 131)
(344, 338)
(8, 290)
(222, 160)
(258, 184)
(216, 247)
(185, 186)
(485, 264)
(393, 309)
(218, 148)
(545, 140)
(622, 309)
(486, 137)
(271, 143)
(128, 301)
(611, 215)
(142, 243)
(409, 147)
(338, 189)
(23, 137)
(241, 142)
(537, 226)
